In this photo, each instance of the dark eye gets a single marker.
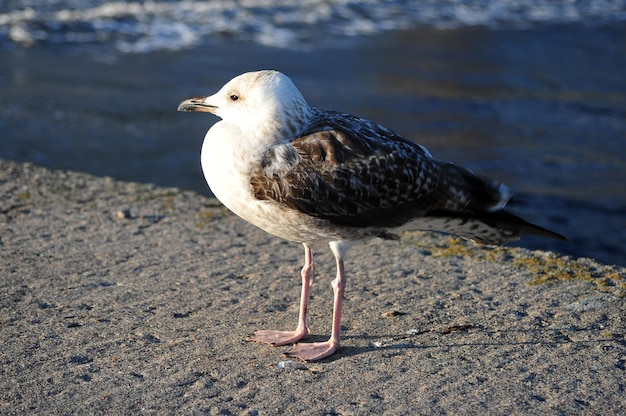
(234, 97)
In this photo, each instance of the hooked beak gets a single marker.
(197, 104)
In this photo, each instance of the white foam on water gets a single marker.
(135, 27)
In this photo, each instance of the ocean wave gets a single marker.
(135, 27)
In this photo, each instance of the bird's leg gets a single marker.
(278, 338)
(318, 350)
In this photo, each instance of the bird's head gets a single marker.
(266, 102)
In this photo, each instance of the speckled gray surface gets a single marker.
(118, 298)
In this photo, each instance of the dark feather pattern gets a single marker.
(502, 226)
(352, 172)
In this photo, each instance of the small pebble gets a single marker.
(391, 314)
(123, 214)
(286, 363)
(384, 342)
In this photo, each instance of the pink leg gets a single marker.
(318, 350)
(278, 338)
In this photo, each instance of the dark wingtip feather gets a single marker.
(505, 220)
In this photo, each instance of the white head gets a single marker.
(262, 102)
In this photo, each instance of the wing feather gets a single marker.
(355, 173)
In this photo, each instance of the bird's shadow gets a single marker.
(453, 337)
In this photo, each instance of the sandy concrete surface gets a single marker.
(124, 298)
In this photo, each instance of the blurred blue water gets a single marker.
(532, 101)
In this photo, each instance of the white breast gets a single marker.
(226, 164)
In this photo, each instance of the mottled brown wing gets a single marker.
(368, 177)
(355, 173)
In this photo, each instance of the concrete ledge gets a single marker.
(121, 297)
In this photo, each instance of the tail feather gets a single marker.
(496, 228)
(477, 192)
(506, 221)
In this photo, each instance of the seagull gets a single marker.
(317, 176)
